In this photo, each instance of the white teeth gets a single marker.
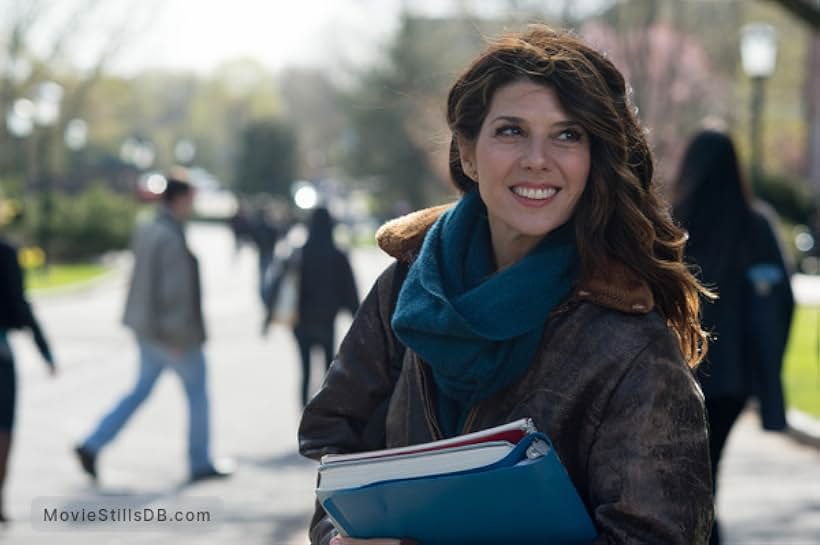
(533, 193)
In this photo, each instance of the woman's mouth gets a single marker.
(534, 193)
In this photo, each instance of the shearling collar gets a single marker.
(616, 287)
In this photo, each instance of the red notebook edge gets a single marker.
(511, 432)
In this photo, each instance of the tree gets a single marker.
(398, 137)
(312, 103)
(62, 33)
(804, 9)
(267, 158)
(678, 65)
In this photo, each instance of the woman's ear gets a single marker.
(466, 152)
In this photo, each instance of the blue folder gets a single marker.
(519, 499)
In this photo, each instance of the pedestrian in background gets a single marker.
(164, 310)
(326, 287)
(264, 234)
(240, 224)
(15, 313)
(554, 289)
(734, 245)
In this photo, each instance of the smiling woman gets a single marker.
(531, 163)
(553, 289)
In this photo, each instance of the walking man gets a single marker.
(164, 311)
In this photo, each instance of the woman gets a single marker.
(326, 286)
(736, 250)
(15, 313)
(554, 289)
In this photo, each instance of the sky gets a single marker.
(198, 35)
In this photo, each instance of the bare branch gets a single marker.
(807, 11)
(117, 39)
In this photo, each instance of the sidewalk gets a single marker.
(769, 483)
(769, 488)
(804, 428)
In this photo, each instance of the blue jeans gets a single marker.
(190, 367)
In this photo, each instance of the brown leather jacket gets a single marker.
(608, 385)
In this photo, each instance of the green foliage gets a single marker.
(801, 374)
(383, 149)
(85, 225)
(312, 105)
(60, 276)
(267, 158)
(790, 197)
(163, 107)
(398, 137)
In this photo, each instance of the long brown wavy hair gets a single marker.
(621, 214)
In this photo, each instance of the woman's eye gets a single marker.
(570, 135)
(509, 130)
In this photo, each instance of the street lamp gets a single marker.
(75, 137)
(24, 118)
(20, 118)
(758, 54)
(304, 194)
(184, 151)
(76, 134)
(47, 99)
(137, 153)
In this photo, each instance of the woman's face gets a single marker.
(531, 161)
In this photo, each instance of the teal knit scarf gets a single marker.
(478, 329)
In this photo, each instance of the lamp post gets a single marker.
(184, 151)
(138, 153)
(758, 53)
(20, 124)
(75, 138)
(47, 99)
(76, 134)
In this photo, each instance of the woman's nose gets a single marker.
(536, 156)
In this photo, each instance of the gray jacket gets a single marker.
(164, 301)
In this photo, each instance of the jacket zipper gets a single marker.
(429, 410)
(563, 307)
(470, 419)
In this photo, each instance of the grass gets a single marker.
(801, 376)
(62, 275)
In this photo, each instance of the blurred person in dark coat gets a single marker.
(15, 313)
(264, 234)
(733, 241)
(164, 310)
(326, 287)
(240, 224)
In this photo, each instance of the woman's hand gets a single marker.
(339, 540)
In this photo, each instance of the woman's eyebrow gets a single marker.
(568, 123)
(508, 118)
(565, 123)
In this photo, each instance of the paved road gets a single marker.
(769, 489)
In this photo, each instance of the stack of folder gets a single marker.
(501, 485)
